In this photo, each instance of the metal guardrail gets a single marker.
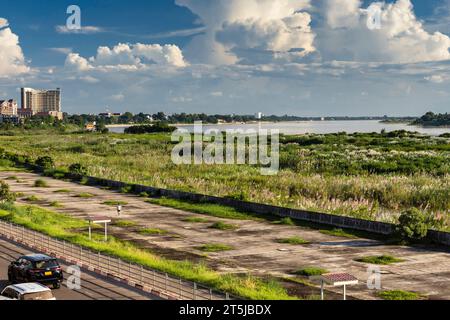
(161, 284)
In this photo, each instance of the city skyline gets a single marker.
(33, 102)
(303, 58)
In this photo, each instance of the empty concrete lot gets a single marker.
(425, 270)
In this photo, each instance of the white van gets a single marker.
(27, 291)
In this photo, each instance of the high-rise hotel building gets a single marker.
(41, 103)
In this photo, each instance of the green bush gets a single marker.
(311, 271)
(381, 260)
(159, 127)
(77, 168)
(412, 225)
(6, 196)
(45, 162)
(40, 184)
(223, 226)
(286, 222)
(214, 247)
(152, 232)
(32, 199)
(399, 295)
(293, 241)
(84, 195)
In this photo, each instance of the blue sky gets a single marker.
(300, 57)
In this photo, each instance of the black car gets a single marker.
(36, 268)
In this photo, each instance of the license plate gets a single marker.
(49, 273)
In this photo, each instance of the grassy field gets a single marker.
(369, 176)
(67, 228)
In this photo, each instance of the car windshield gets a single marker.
(47, 295)
(46, 264)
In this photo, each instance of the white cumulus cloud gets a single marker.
(81, 30)
(3, 23)
(234, 26)
(75, 62)
(12, 60)
(129, 57)
(402, 37)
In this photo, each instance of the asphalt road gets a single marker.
(93, 286)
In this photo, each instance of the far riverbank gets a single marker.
(313, 127)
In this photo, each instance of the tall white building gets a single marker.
(41, 102)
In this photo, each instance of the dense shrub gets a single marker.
(78, 169)
(412, 225)
(45, 162)
(159, 127)
(5, 193)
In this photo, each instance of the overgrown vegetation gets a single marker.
(412, 225)
(293, 241)
(125, 223)
(336, 232)
(6, 195)
(67, 228)
(399, 295)
(223, 226)
(63, 191)
(214, 210)
(150, 128)
(374, 176)
(77, 169)
(215, 247)
(286, 222)
(32, 199)
(152, 231)
(39, 183)
(380, 260)
(196, 220)
(56, 204)
(311, 271)
(115, 203)
(84, 195)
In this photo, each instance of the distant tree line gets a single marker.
(431, 119)
(188, 118)
(81, 120)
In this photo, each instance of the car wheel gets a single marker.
(56, 285)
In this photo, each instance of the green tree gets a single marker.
(101, 127)
(126, 118)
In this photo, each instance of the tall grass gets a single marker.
(363, 176)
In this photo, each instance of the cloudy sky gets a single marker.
(299, 57)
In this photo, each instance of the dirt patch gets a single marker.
(165, 252)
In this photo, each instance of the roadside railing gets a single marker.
(155, 282)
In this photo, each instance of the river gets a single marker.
(318, 127)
